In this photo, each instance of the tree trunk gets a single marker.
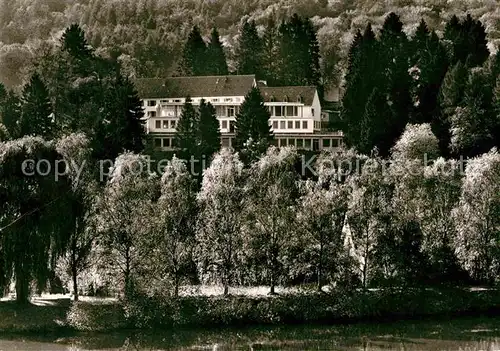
(320, 267)
(75, 282)
(22, 284)
(176, 284)
(74, 268)
(273, 276)
(127, 273)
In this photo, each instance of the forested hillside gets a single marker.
(148, 35)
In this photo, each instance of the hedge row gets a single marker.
(200, 311)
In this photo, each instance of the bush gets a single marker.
(91, 316)
(146, 312)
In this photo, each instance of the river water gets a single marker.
(478, 334)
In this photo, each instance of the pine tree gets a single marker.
(476, 42)
(193, 60)
(469, 41)
(452, 29)
(353, 51)
(216, 58)
(289, 71)
(120, 129)
(3, 93)
(299, 51)
(186, 130)
(36, 116)
(271, 59)
(363, 76)
(432, 65)
(473, 125)
(252, 122)
(452, 89)
(419, 41)
(313, 73)
(73, 41)
(208, 130)
(10, 114)
(372, 123)
(451, 96)
(395, 65)
(249, 51)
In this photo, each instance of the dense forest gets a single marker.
(148, 35)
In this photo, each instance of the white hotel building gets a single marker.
(296, 116)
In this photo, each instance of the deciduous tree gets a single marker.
(219, 237)
(477, 218)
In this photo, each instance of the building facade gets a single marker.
(296, 114)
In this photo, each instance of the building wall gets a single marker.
(162, 114)
(293, 123)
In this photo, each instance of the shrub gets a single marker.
(91, 316)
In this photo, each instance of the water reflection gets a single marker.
(459, 334)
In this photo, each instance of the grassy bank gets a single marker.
(209, 311)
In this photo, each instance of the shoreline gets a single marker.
(201, 312)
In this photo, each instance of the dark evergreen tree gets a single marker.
(249, 51)
(291, 47)
(353, 51)
(419, 41)
(36, 111)
(364, 74)
(299, 53)
(252, 123)
(73, 41)
(94, 97)
(3, 93)
(313, 71)
(216, 58)
(452, 29)
(469, 41)
(208, 130)
(451, 96)
(473, 126)
(186, 132)
(271, 59)
(432, 66)
(10, 114)
(394, 50)
(375, 110)
(194, 59)
(120, 128)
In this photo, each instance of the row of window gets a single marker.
(165, 142)
(152, 103)
(303, 143)
(166, 124)
(300, 143)
(223, 111)
(289, 125)
(277, 125)
(284, 111)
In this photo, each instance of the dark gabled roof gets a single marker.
(292, 93)
(199, 86)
